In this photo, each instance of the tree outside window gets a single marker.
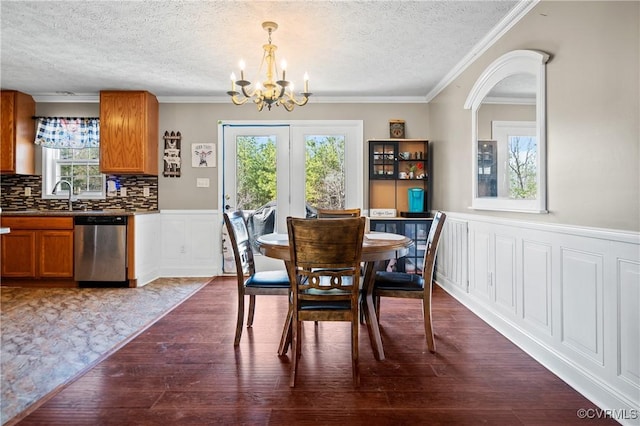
(522, 167)
(324, 169)
(325, 186)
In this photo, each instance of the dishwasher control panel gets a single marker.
(100, 220)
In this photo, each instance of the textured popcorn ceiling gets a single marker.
(187, 49)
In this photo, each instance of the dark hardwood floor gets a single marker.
(185, 370)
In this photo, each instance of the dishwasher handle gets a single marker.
(100, 220)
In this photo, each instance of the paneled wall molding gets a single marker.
(191, 243)
(147, 248)
(607, 234)
(569, 296)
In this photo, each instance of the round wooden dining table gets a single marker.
(377, 247)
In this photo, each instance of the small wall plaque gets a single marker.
(203, 155)
(396, 129)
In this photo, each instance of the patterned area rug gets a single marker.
(50, 335)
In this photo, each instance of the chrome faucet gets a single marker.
(55, 187)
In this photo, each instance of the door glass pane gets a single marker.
(255, 171)
(256, 183)
(324, 168)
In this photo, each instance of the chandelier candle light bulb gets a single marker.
(269, 92)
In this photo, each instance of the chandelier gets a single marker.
(269, 92)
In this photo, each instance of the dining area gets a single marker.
(335, 270)
(186, 369)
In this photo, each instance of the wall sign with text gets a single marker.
(203, 155)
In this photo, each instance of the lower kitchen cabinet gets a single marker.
(37, 247)
(417, 230)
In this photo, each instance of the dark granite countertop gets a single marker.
(102, 212)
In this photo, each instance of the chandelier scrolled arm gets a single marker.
(269, 92)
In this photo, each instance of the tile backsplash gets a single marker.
(12, 195)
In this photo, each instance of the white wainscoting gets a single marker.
(146, 230)
(191, 244)
(568, 296)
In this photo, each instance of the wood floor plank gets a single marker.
(184, 370)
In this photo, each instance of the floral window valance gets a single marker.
(68, 132)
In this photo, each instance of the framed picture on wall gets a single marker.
(203, 155)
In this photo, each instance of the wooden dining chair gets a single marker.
(337, 213)
(414, 286)
(325, 269)
(250, 282)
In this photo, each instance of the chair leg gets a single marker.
(252, 309)
(295, 351)
(240, 320)
(377, 302)
(355, 352)
(428, 326)
(285, 340)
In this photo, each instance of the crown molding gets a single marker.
(517, 13)
(80, 99)
(89, 98)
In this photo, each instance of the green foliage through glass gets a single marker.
(325, 186)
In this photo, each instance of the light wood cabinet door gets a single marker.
(19, 254)
(17, 133)
(56, 254)
(37, 247)
(128, 132)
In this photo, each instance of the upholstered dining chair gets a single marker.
(337, 213)
(250, 282)
(325, 272)
(414, 286)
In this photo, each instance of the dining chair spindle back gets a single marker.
(325, 269)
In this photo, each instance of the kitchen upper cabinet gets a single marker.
(128, 132)
(17, 147)
(37, 247)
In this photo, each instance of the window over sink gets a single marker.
(80, 167)
(71, 153)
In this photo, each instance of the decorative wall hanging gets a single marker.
(396, 129)
(203, 155)
(172, 160)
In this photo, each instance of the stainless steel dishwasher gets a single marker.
(100, 249)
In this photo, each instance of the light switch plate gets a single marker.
(27, 191)
(145, 191)
(123, 191)
(202, 182)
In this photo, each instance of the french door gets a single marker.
(275, 170)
